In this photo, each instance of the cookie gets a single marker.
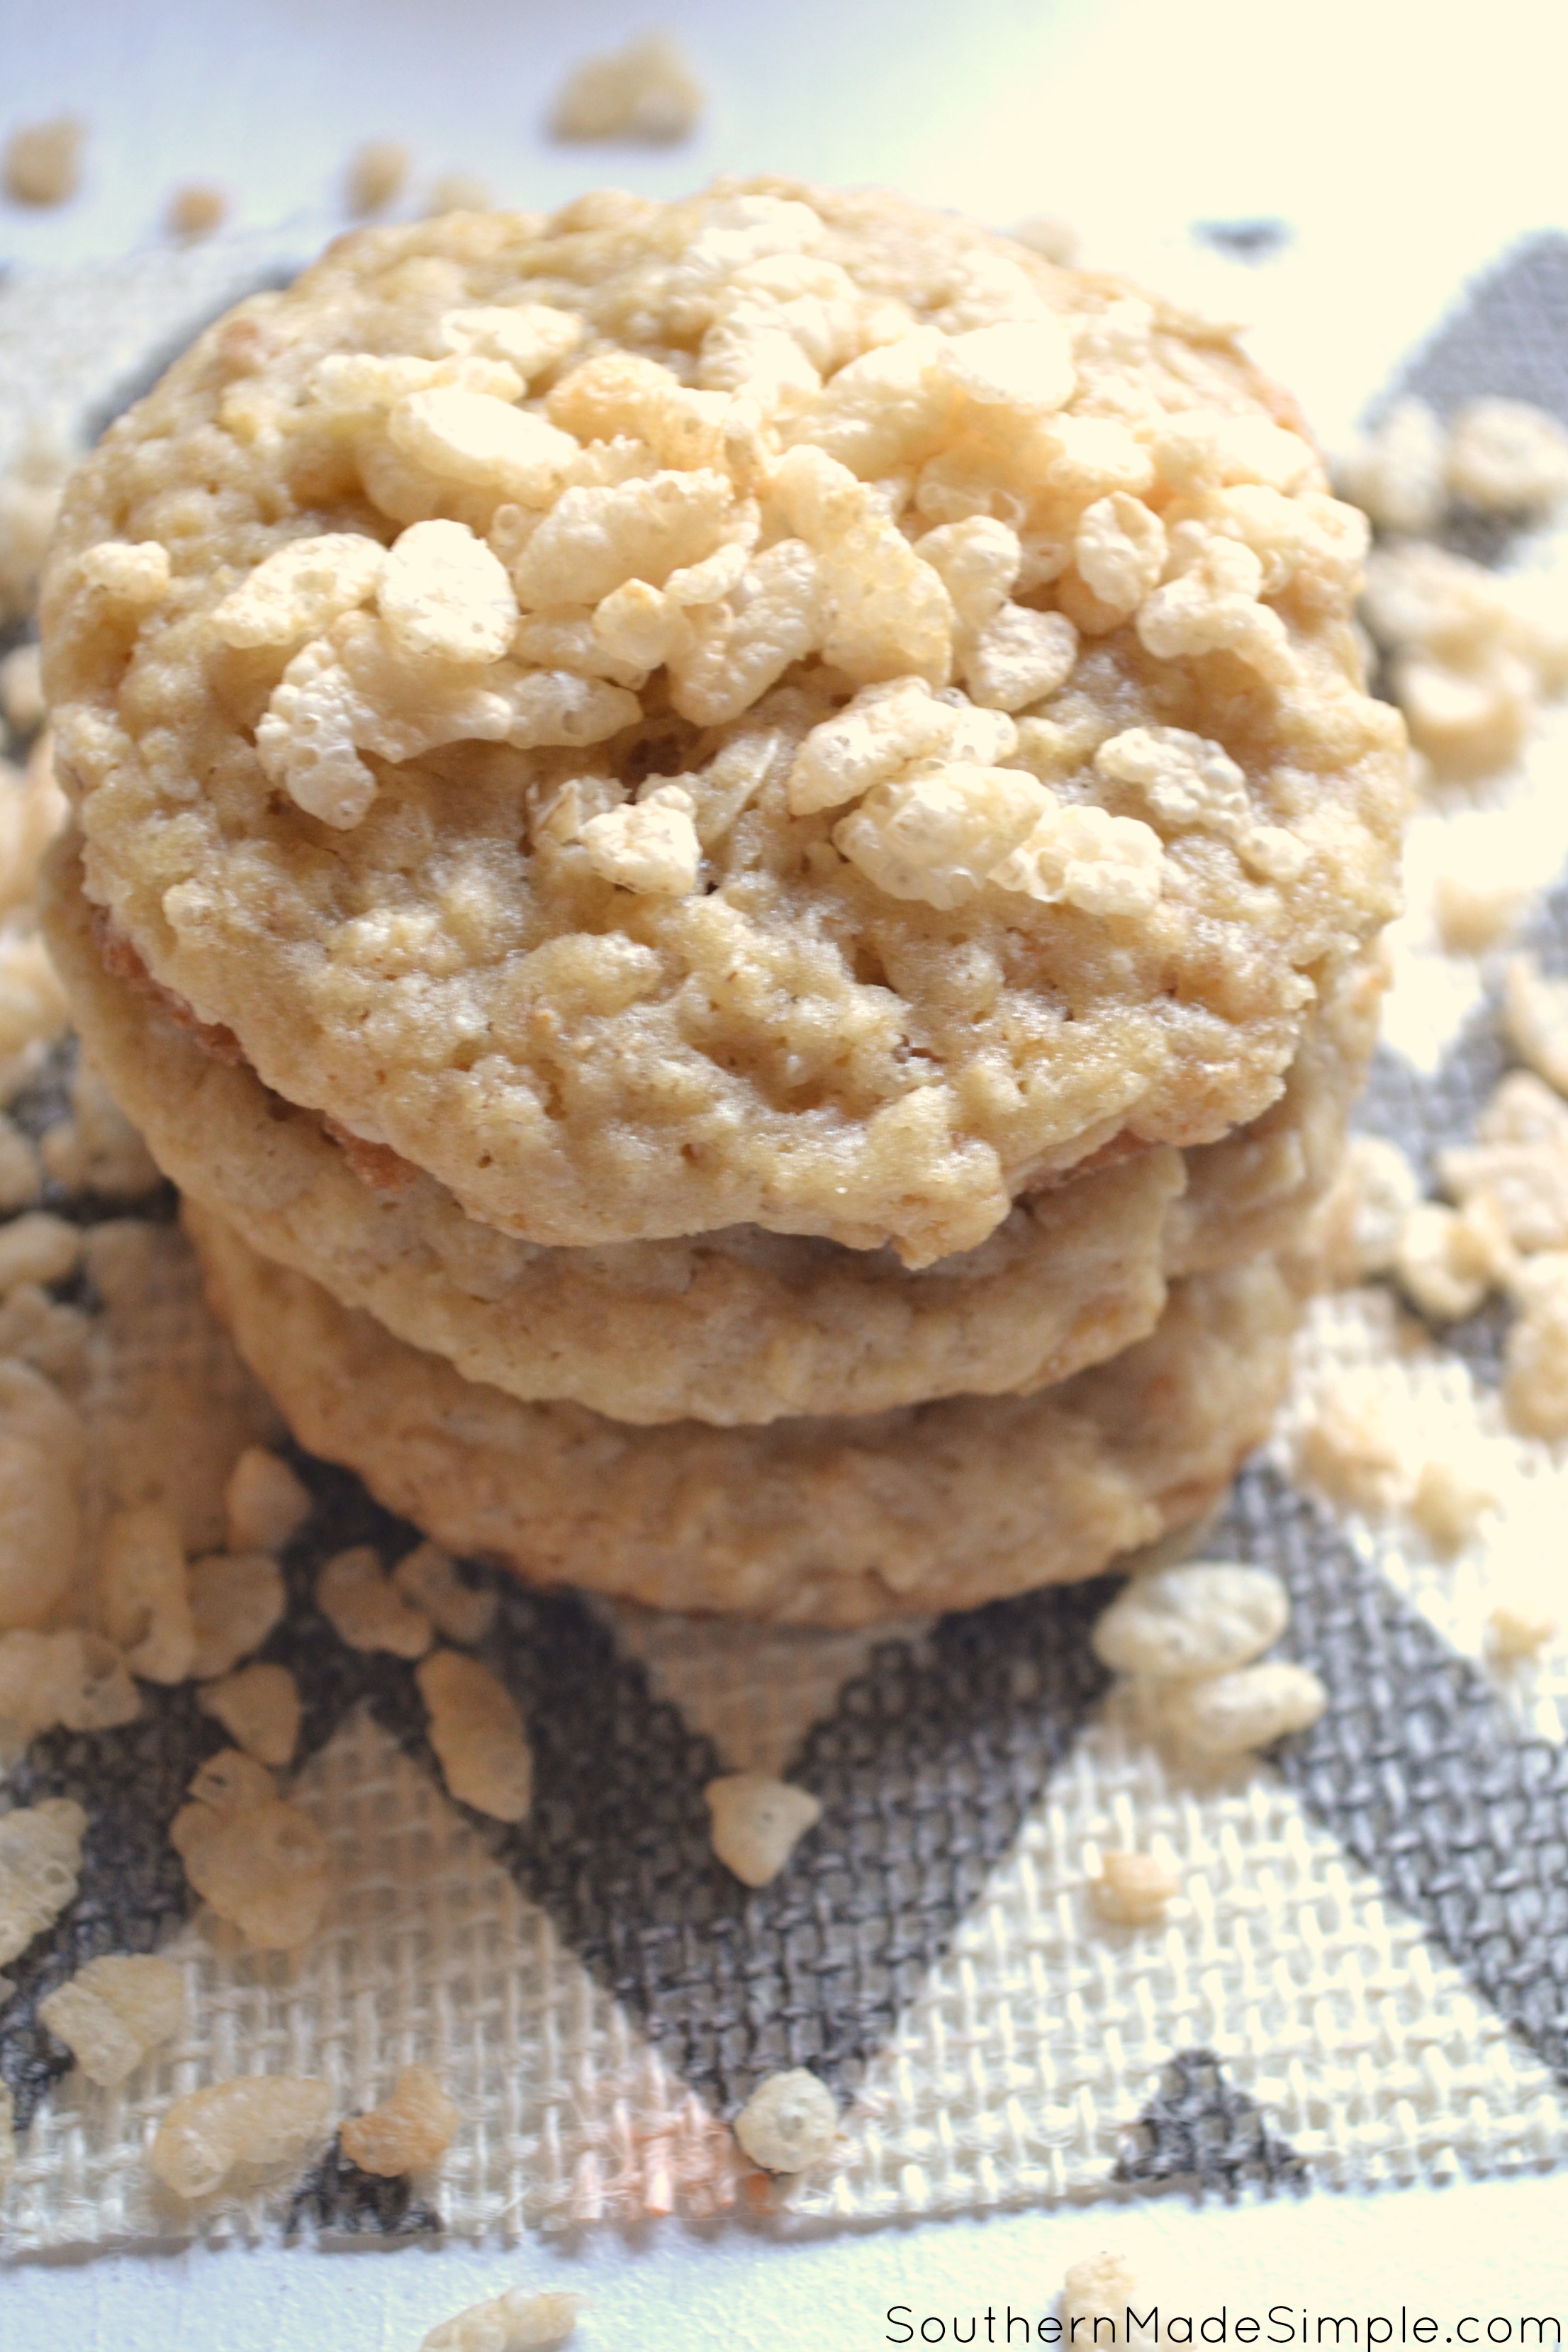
(784, 709)
(939, 1506)
(742, 1326)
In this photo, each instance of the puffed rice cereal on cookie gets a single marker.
(443, 697)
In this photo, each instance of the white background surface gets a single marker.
(1407, 144)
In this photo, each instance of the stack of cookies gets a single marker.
(734, 850)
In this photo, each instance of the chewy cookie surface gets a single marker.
(783, 709)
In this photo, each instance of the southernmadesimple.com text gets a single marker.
(1282, 2322)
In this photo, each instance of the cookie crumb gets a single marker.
(757, 1824)
(1229, 1715)
(40, 1862)
(115, 2012)
(1132, 1890)
(513, 2322)
(237, 1599)
(364, 1608)
(478, 1735)
(409, 2132)
(427, 1577)
(789, 2121)
(260, 1708)
(377, 176)
(197, 210)
(259, 2119)
(647, 94)
(42, 161)
(265, 1503)
(1201, 1618)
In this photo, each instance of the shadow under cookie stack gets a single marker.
(733, 851)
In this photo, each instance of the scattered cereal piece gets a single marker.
(261, 1863)
(757, 1823)
(478, 1735)
(409, 2132)
(1448, 1260)
(377, 174)
(300, 589)
(22, 690)
(1199, 1618)
(73, 1679)
(145, 1593)
(1518, 1163)
(40, 1861)
(1133, 1889)
(21, 1170)
(1508, 456)
(265, 1503)
(37, 1247)
(42, 164)
(114, 2011)
(1350, 1447)
(1376, 1191)
(97, 1150)
(365, 1610)
(648, 845)
(1396, 474)
(237, 1599)
(1094, 2291)
(1476, 899)
(1535, 1018)
(516, 2321)
(1519, 1626)
(1448, 1503)
(1227, 1715)
(260, 2120)
(1468, 722)
(43, 1450)
(1535, 1355)
(460, 192)
(197, 210)
(788, 2122)
(428, 1577)
(646, 93)
(259, 1709)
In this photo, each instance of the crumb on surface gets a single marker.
(196, 210)
(789, 2122)
(41, 163)
(647, 94)
(377, 176)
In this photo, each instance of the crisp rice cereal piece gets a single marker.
(1448, 1260)
(43, 1452)
(1474, 911)
(513, 2322)
(1376, 1194)
(729, 1115)
(264, 2120)
(37, 1247)
(136, 576)
(411, 2130)
(97, 1150)
(237, 1599)
(145, 1592)
(1023, 367)
(427, 1577)
(941, 833)
(1449, 1503)
(264, 1869)
(1506, 456)
(22, 690)
(790, 2121)
(1018, 657)
(377, 176)
(1468, 722)
(261, 1710)
(1119, 551)
(646, 93)
(1518, 1163)
(73, 1679)
(1519, 1627)
(648, 846)
(196, 210)
(42, 162)
(21, 1170)
(1228, 1715)
(1396, 473)
(1351, 1446)
(478, 1735)
(40, 1861)
(446, 596)
(1535, 1019)
(265, 1504)
(52, 1339)
(365, 1610)
(1535, 1355)
(231, 1783)
(532, 337)
(757, 1824)
(1096, 2291)
(1213, 607)
(883, 729)
(300, 590)
(1134, 1889)
(1200, 1618)
(115, 2011)
(1078, 855)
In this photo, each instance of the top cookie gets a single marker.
(784, 708)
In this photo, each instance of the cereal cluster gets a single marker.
(1189, 1640)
